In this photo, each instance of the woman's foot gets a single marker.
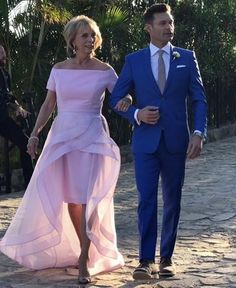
(84, 280)
(84, 276)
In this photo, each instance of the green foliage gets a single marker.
(209, 28)
(53, 14)
(36, 44)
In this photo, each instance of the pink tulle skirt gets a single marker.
(79, 164)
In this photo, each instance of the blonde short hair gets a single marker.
(76, 24)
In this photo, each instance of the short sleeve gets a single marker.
(112, 79)
(51, 84)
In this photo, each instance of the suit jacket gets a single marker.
(183, 82)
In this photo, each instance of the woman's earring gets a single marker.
(74, 50)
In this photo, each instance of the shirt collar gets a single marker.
(154, 49)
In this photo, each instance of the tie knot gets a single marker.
(160, 52)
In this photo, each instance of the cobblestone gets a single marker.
(205, 253)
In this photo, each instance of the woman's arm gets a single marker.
(45, 112)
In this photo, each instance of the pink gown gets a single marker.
(79, 163)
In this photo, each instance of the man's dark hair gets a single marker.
(155, 8)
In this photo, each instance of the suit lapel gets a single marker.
(171, 68)
(148, 68)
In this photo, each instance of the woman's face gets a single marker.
(84, 42)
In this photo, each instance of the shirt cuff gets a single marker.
(200, 134)
(136, 117)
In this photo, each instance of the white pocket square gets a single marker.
(180, 66)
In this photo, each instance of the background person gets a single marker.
(9, 129)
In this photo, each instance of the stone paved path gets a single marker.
(205, 252)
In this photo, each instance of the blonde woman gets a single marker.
(66, 216)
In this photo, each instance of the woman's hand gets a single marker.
(123, 104)
(32, 146)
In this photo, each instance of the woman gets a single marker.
(66, 215)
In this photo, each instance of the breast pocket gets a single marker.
(181, 73)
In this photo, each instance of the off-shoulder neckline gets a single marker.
(82, 69)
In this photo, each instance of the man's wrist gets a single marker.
(199, 134)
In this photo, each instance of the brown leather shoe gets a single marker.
(144, 270)
(167, 267)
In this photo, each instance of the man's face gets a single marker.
(161, 30)
(3, 56)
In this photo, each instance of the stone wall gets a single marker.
(212, 135)
(126, 153)
(221, 133)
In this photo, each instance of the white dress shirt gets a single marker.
(155, 56)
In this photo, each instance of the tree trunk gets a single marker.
(36, 56)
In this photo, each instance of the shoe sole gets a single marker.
(166, 274)
(139, 275)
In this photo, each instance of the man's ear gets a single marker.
(148, 28)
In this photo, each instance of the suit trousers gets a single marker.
(13, 132)
(149, 168)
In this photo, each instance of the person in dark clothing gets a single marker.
(9, 129)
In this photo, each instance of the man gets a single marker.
(8, 128)
(162, 77)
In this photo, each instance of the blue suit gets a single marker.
(160, 149)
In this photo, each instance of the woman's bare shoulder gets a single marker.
(100, 65)
(61, 65)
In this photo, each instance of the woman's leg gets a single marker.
(77, 215)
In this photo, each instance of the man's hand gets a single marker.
(194, 147)
(149, 115)
(21, 112)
